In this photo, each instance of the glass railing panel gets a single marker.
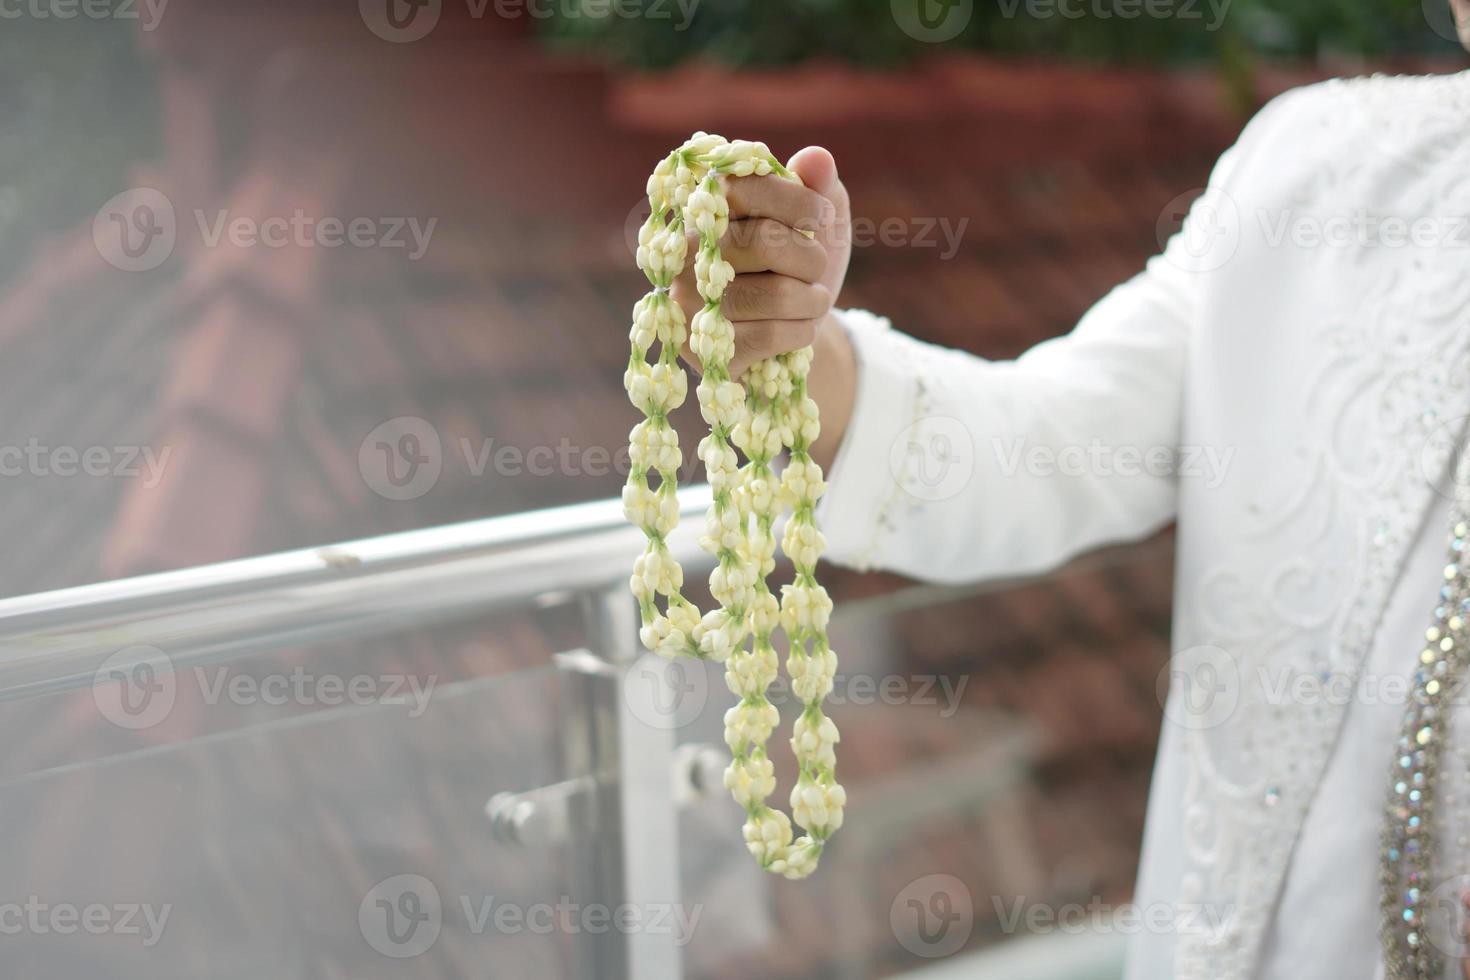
(318, 812)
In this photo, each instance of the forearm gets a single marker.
(955, 468)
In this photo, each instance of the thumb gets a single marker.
(817, 170)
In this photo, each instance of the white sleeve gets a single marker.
(956, 468)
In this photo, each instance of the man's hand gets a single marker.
(786, 282)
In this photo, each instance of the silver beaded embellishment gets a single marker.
(1409, 858)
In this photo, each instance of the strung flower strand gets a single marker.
(764, 413)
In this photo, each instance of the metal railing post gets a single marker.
(592, 834)
(643, 857)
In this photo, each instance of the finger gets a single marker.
(690, 358)
(779, 199)
(685, 292)
(767, 245)
(768, 296)
(817, 169)
(757, 340)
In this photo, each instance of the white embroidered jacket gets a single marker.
(1304, 345)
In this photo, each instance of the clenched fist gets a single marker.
(789, 245)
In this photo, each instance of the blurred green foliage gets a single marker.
(755, 32)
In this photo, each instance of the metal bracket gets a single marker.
(538, 817)
(541, 817)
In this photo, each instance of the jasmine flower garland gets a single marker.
(761, 414)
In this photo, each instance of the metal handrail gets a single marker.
(619, 766)
(57, 640)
